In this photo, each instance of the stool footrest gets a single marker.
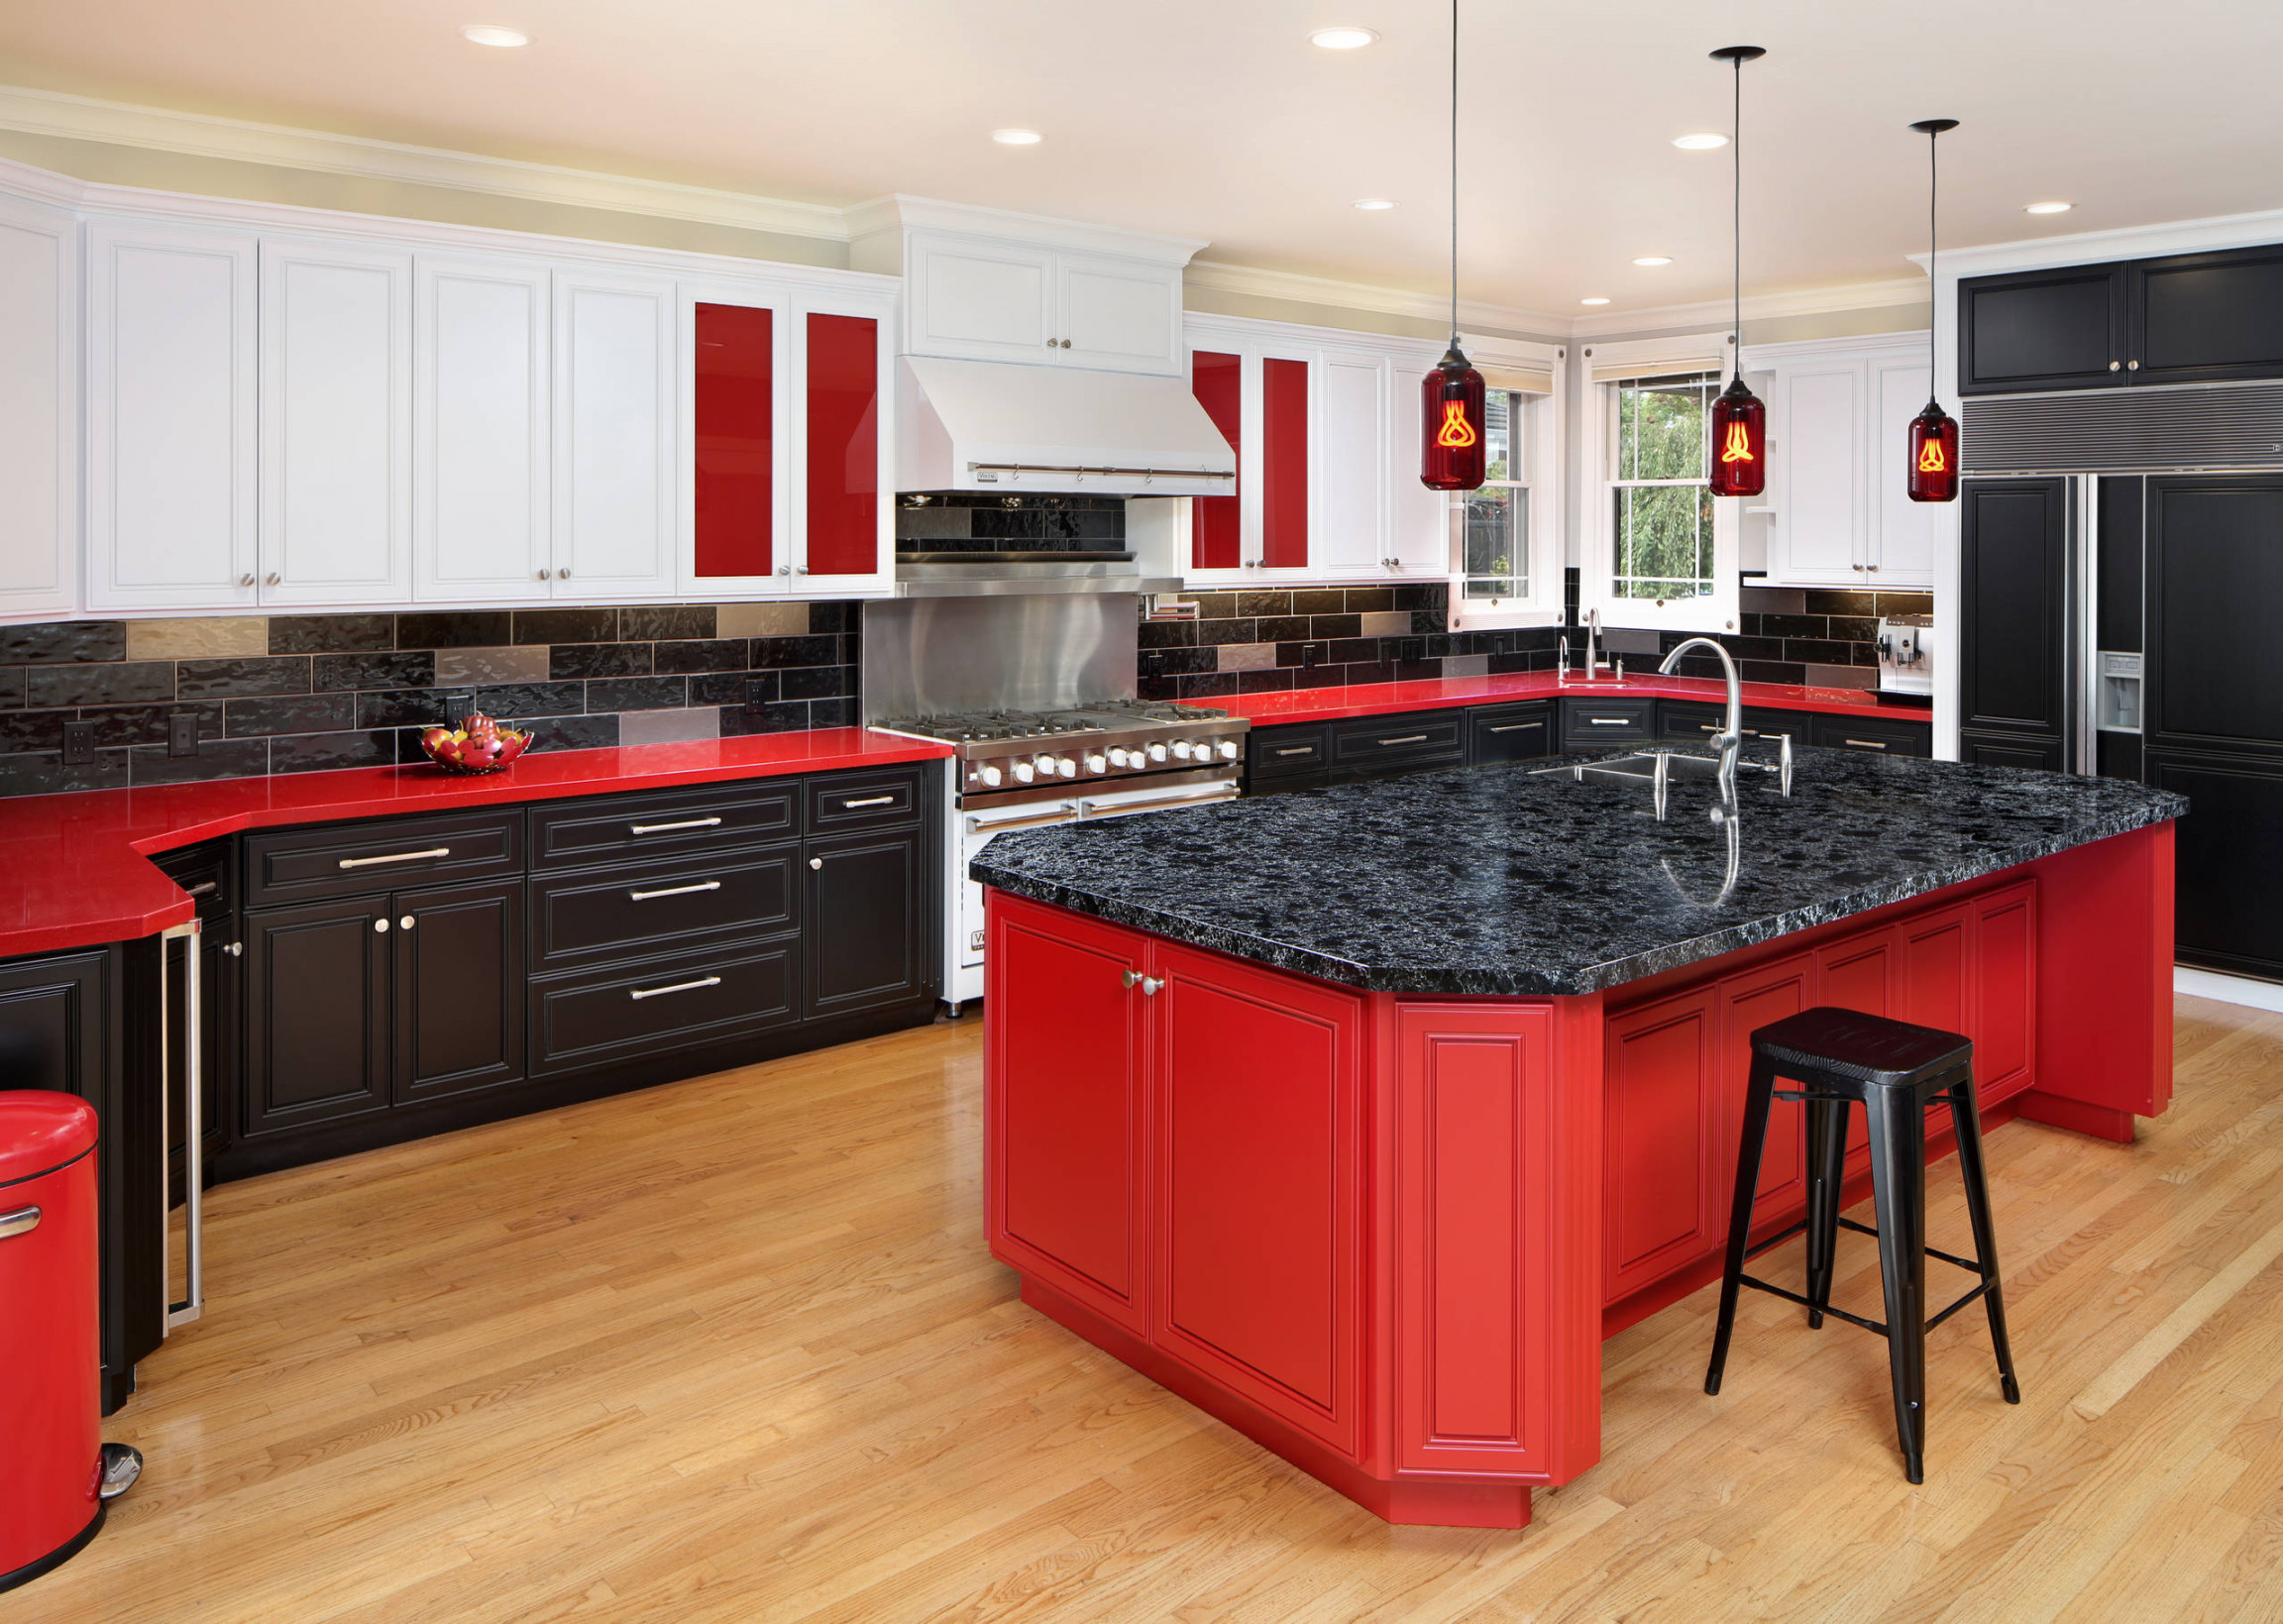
(1966, 1263)
(1775, 1240)
(1971, 1296)
(1791, 1296)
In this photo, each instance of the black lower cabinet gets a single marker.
(317, 1016)
(1984, 749)
(866, 922)
(1874, 735)
(2227, 861)
(1510, 732)
(662, 1007)
(456, 991)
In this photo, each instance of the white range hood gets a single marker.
(987, 425)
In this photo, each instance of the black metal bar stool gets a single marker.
(1896, 1071)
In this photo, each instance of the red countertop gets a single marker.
(1385, 698)
(75, 869)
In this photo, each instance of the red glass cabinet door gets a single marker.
(735, 373)
(1284, 464)
(843, 439)
(1256, 1094)
(1217, 379)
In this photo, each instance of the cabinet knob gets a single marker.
(784, 568)
(1065, 344)
(2114, 364)
(563, 574)
(380, 928)
(246, 580)
(1855, 566)
(800, 570)
(235, 949)
(1150, 986)
(542, 574)
(273, 577)
(1050, 343)
(404, 924)
(2131, 366)
(816, 862)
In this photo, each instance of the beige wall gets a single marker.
(1214, 301)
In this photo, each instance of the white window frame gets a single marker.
(1596, 586)
(1540, 474)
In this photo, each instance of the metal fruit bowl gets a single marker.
(474, 752)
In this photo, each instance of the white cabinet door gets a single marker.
(1118, 315)
(171, 354)
(1352, 467)
(39, 409)
(615, 434)
(1902, 530)
(735, 400)
(981, 300)
(481, 406)
(336, 423)
(1820, 518)
(1419, 538)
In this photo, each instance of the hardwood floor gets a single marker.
(733, 1350)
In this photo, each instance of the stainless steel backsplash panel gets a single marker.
(923, 655)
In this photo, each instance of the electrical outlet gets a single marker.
(457, 704)
(1311, 653)
(79, 744)
(760, 690)
(1411, 650)
(1153, 663)
(182, 733)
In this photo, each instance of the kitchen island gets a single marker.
(1360, 1116)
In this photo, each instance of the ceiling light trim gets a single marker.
(201, 135)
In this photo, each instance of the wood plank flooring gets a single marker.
(733, 1350)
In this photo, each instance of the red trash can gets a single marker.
(58, 1471)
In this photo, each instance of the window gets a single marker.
(1505, 538)
(1494, 521)
(1661, 513)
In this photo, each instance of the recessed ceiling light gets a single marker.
(1343, 38)
(490, 34)
(2047, 208)
(1597, 299)
(1703, 141)
(1654, 259)
(1373, 205)
(1017, 138)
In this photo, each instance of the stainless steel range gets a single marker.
(1001, 680)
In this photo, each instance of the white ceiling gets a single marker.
(1216, 119)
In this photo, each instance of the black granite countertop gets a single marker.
(1507, 880)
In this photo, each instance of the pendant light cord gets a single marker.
(1453, 174)
(1933, 248)
(1736, 223)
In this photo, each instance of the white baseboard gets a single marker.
(2255, 995)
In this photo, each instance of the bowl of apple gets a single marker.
(478, 745)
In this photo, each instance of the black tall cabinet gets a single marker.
(2013, 627)
(2213, 724)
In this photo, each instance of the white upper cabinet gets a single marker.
(1419, 535)
(615, 434)
(1353, 534)
(1116, 315)
(336, 414)
(171, 387)
(1839, 424)
(38, 408)
(482, 412)
(982, 300)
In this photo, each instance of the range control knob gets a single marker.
(1228, 750)
(1157, 752)
(1119, 756)
(988, 775)
(1066, 767)
(1181, 749)
(1023, 772)
(1097, 763)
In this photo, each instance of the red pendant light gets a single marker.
(1455, 441)
(1933, 467)
(1739, 420)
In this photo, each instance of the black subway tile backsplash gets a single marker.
(715, 654)
(581, 660)
(639, 694)
(332, 634)
(222, 758)
(319, 752)
(672, 621)
(411, 669)
(231, 678)
(566, 627)
(135, 682)
(63, 642)
(454, 628)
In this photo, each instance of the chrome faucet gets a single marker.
(1730, 738)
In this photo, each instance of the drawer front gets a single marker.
(1510, 732)
(1875, 735)
(582, 918)
(358, 859)
(687, 1000)
(673, 823)
(203, 873)
(1692, 722)
(1288, 752)
(1589, 724)
(857, 801)
(1385, 744)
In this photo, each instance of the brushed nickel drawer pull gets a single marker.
(661, 828)
(1868, 744)
(640, 992)
(398, 857)
(24, 1220)
(870, 800)
(201, 888)
(673, 890)
(1516, 726)
(1407, 738)
(1297, 750)
(1611, 722)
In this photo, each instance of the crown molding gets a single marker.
(2120, 243)
(1220, 277)
(1814, 301)
(199, 135)
(902, 211)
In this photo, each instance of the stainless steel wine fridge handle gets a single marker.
(193, 1132)
(397, 857)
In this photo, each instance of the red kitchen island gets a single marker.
(1358, 1117)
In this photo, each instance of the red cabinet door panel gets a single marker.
(843, 434)
(1068, 1177)
(735, 465)
(1217, 537)
(2003, 1024)
(1858, 972)
(1284, 464)
(1665, 1124)
(1256, 1084)
(1749, 1002)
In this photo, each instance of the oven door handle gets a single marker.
(1193, 797)
(977, 825)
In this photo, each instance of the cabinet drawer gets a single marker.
(203, 873)
(857, 801)
(1287, 752)
(1510, 732)
(687, 1000)
(578, 919)
(1692, 722)
(1393, 744)
(356, 859)
(1876, 735)
(1587, 723)
(582, 834)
